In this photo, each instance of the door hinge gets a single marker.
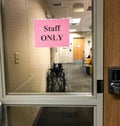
(1, 110)
(100, 86)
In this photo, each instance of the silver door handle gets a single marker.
(115, 88)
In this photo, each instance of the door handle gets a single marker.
(114, 80)
(115, 88)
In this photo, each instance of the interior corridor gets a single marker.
(77, 79)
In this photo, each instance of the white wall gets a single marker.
(88, 44)
(29, 74)
(65, 54)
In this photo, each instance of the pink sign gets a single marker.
(52, 33)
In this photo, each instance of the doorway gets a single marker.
(25, 69)
(24, 62)
(78, 47)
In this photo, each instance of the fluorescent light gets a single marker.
(78, 7)
(75, 21)
(73, 30)
(78, 10)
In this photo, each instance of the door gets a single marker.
(23, 68)
(78, 49)
(111, 59)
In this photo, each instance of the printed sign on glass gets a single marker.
(52, 33)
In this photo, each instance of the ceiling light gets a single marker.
(78, 7)
(73, 30)
(75, 21)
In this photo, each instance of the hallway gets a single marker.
(77, 79)
(26, 65)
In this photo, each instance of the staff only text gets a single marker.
(53, 37)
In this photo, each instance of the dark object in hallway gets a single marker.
(66, 116)
(56, 80)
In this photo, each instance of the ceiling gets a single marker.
(73, 9)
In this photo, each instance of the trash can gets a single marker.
(87, 70)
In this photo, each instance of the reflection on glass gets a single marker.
(31, 69)
(50, 116)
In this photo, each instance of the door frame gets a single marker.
(71, 99)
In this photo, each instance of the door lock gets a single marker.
(115, 87)
(114, 80)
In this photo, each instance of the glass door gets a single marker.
(51, 61)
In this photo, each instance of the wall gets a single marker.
(15, 22)
(29, 73)
(66, 56)
(17, 118)
(25, 76)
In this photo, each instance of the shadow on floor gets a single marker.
(66, 116)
